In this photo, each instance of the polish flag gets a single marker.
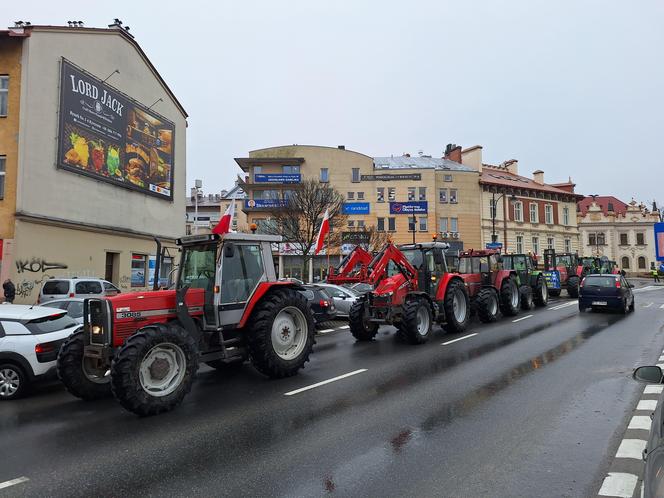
(324, 230)
(224, 225)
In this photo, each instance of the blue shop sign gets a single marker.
(355, 208)
(410, 207)
(278, 178)
(494, 245)
(552, 279)
(264, 203)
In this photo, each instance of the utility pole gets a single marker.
(198, 184)
(414, 225)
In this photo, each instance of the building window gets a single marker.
(351, 196)
(568, 245)
(138, 273)
(454, 224)
(3, 163)
(443, 225)
(493, 208)
(566, 216)
(4, 94)
(640, 239)
(423, 193)
(290, 169)
(534, 217)
(548, 214)
(391, 193)
(518, 212)
(447, 178)
(600, 239)
(624, 241)
(360, 224)
(356, 175)
(380, 194)
(411, 224)
(453, 196)
(423, 223)
(536, 248)
(380, 224)
(519, 244)
(442, 195)
(592, 239)
(360, 196)
(351, 224)
(324, 175)
(550, 243)
(411, 193)
(624, 262)
(392, 224)
(642, 263)
(257, 171)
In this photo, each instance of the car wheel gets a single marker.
(633, 305)
(13, 382)
(625, 307)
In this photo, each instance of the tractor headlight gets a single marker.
(96, 330)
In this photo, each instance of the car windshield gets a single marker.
(598, 281)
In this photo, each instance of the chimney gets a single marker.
(512, 165)
(341, 147)
(538, 176)
(453, 153)
(472, 156)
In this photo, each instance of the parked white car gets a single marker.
(61, 288)
(30, 338)
(343, 297)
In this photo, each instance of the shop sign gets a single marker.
(108, 136)
(355, 208)
(265, 203)
(355, 238)
(659, 241)
(411, 207)
(391, 177)
(278, 178)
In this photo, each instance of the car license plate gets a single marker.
(599, 303)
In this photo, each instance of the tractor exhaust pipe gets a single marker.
(157, 265)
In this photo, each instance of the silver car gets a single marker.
(342, 296)
(62, 288)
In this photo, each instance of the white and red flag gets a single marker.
(322, 233)
(224, 225)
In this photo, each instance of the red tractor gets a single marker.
(352, 269)
(412, 290)
(491, 288)
(227, 306)
(571, 269)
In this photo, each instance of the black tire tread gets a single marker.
(527, 302)
(69, 368)
(408, 325)
(356, 322)
(537, 293)
(506, 288)
(452, 325)
(573, 286)
(482, 302)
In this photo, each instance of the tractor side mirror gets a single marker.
(229, 250)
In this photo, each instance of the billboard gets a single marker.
(277, 178)
(355, 238)
(659, 241)
(108, 136)
(355, 208)
(410, 207)
(390, 177)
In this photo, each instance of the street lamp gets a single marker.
(494, 209)
(198, 185)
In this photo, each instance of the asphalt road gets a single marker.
(530, 408)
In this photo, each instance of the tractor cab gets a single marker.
(429, 261)
(590, 265)
(481, 263)
(523, 264)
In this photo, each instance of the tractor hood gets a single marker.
(389, 285)
(153, 300)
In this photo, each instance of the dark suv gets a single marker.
(320, 302)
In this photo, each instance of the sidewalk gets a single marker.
(639, 282)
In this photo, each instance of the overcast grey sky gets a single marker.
(569, 87)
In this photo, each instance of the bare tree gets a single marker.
(377, 239)
(299, 220)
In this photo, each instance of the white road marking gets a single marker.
(647, 305)
(653, 389)
(326, 331)
(522, 318)
(459, 339)
(661, 358)
(647, 404)
(318, 384)
(631, 448)
(13, 482)
(561, 306)
(618, 484)
(640, 422)
(344, 327)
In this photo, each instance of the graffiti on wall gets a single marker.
(37, 265)
(24, 288)
(125, 281)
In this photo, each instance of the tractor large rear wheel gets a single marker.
(487, 305)
(83, 377)
(155, 369)
(541, 295)
(457, 307)
(358, 320)
(573, 286)
(526, 297)
(416, 321)
(510, 300)
(281, 334)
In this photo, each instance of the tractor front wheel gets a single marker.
(487, 305)
(573, 286)
(541, 296)
(554, 292)
(83, 377)
(526, 297)
(358, 320)
(155, 369)
(457, 307)
(416, 321)
(281, 334)
(509, 297)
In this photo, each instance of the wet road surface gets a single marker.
(528, 408)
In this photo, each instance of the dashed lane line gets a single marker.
(631, 448)
(647, 404)
(640, 422)
(522, 318)
(560, 306)
(326, 331)
(618, 484)
(647, 305)
(13, 482)
(344, 327)
(661, 307)
(459, 339)
(654, 389)
(328, 381)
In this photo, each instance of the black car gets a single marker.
(320, 302)
(653, 476)
(606, 292)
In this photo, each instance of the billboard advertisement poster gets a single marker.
(277, 178)
(659, 241)
(264, 203)
(110, 137)
(410, 207)
(355, 208)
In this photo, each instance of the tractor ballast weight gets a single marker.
(227, 306)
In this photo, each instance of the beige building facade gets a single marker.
(90, 202)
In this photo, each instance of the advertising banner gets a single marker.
(355, 238)
(388, 177)
(410, 207)
(552, 279)
(355, 208)
(659, 241)
(278, 178)
(108, 136)
(265, 203)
